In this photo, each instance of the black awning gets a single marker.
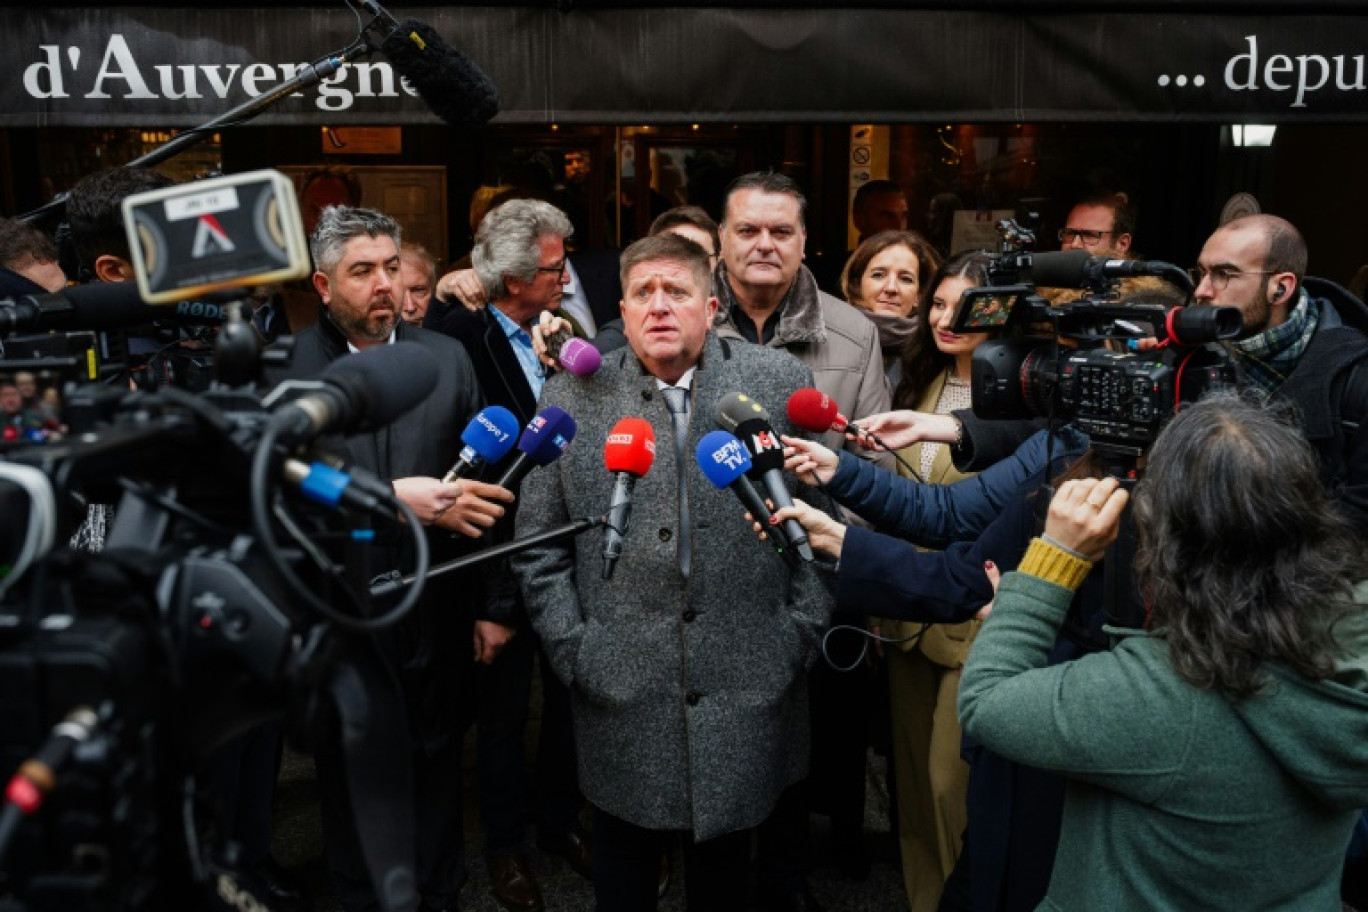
(603, 63)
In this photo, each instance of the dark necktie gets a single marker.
(677, 401)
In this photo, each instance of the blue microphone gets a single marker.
(542, 443)
(487, 438)
(725, 462)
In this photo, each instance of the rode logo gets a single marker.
(200, 309)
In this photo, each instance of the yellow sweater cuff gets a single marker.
(1054, 565)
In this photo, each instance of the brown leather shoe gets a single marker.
(576, 847)
(512, 884)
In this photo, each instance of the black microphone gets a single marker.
(356, 393)
(99, 306)
(449, 82)
(1076, 269)
(767, 464)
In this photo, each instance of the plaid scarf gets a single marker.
(1273, 354)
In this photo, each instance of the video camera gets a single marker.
(224, 597)
(1119, 398)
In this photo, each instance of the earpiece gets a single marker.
(1279, 292)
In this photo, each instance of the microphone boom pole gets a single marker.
(309, 75)
(569, 530)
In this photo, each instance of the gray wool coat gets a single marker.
(690, 696)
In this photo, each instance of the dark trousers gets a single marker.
(438, 829)
(505, 689)
(241, 777)
(627, 867)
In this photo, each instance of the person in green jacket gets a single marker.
(1217, 759)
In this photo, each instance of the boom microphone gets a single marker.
(356, 393)
(98, 306)
(1076, 269)
(449, 82)
(628, 454)
(487, 438)
(725, 462)
(542, 443)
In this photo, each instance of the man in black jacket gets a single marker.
(356, 252)
(520, 259)
(1303, 341)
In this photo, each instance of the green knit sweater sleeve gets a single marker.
(1120, 719)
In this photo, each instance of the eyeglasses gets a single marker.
(1089, 237)
(1220, 276)
(554, 268)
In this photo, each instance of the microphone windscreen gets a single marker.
(580, 358)
(1060, 269)
(547, 435)
(109, 305)
(631, 447)
(450, 83)
(760, 441)
(491, 433)
(722, 458)
(813, 410)
(381, 383)
(734, 408)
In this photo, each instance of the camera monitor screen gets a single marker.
(986, 309)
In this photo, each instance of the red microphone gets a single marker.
(628, 454)
(813, 410)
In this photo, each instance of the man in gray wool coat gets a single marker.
(687, 667)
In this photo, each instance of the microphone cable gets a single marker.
(259, 488)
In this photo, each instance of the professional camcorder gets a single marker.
(228, 593)
(1116, 367)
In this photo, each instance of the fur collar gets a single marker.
(800, 317)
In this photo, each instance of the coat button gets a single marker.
(689, 616)
(647, 395)
(666, 535)
(693, 698)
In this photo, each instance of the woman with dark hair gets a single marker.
(885, 279)
(1218, 758)
(925, 661)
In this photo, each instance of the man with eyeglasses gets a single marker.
(1303, 339)
(1102, 224)
(520, 261)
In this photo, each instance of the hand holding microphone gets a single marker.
(826, 534)
(812, 410)
(628, 453)
(559, 350)
(488, 438)
(749, 421)
(725, 461)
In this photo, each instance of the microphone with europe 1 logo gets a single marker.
(725, 462)
(542, 443)
(487, 438)
(628, 454)
(574, 354)
(749, 421)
